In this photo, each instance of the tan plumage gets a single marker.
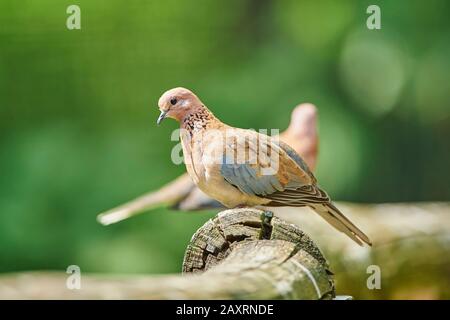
(183, 194)
(302, 134)
(276, 177)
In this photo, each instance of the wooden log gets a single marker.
(240, 254)
(411, 248)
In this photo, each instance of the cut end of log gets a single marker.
(219, 245)
(240, 254)
(216, 238)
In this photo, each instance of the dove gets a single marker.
(245, 168)
(182, 193)
(302, 135)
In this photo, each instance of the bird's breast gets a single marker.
(192, 157)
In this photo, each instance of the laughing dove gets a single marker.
(182, 193)
(240, 167)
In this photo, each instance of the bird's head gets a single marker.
(303, 119)
(176, 103)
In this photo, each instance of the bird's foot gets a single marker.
(268, 214)
(266, 226)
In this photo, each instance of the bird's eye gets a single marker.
(173, 101)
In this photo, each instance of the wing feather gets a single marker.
(262, 153)
(292, 185)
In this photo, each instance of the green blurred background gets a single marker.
(78, 111)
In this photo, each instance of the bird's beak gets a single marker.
(161, 117)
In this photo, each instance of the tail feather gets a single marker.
(168, 195)
(334, 217)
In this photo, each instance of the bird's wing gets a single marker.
(291, 153)
(302, 195)
(292, 184)
(267, 167)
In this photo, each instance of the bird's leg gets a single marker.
(266, 218)
(266, 227)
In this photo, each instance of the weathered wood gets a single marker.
(240, 254)
(411, 247)
(214, 241)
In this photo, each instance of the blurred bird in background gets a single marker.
(183, 194)
(240, 167)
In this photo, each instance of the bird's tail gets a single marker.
(166, 196)
(334, 217)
